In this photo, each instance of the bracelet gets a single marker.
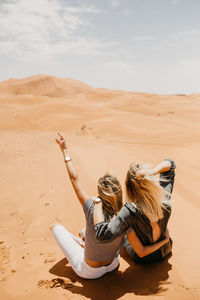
(97, 200)
(67, 158)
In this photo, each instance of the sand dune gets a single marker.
(42, 85)
(105, 130)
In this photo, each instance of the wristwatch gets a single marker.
(97, 200)
(67, 158)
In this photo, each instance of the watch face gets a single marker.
(67, 158)
(97, 200)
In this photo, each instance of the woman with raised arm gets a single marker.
(146, 213)
(95, 258)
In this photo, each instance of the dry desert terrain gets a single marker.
(105, 130)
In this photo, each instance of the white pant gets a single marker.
(74, 253)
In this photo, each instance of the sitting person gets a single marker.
(145, 215)
(95, 258)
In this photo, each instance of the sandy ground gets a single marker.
(105, 131)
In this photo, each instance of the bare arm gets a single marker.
(81, 194)
(98, 213)
(133, 239)
(142, 250)
(163, 166)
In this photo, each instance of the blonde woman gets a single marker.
(95, 258)
(146, 213)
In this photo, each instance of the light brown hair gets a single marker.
(145, 193)
(110, 192)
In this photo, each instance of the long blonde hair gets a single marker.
(145, 193)
(110, 192)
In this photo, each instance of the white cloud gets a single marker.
(115, 3)
(180, 77)
(189, 71)
(185, 35)
(174, 2)
(182, 39)
(144, 38)
(126, 12)
(113, 73)
(45, 28)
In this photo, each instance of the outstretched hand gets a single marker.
(61, 142)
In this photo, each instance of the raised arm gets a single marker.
(81, 194)
(142, 250)
(163, 166)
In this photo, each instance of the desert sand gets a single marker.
(105, 130)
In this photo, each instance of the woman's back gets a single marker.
(156, 231)
(143, 228)
(94, 249)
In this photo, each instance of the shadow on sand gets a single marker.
(138, 279)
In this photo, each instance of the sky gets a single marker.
(136, 45)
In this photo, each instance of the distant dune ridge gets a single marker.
(43, 85)
(105, 130)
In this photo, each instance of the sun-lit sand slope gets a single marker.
(105, 131)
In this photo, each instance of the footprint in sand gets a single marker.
(14, 213)
(42, 195)
(56, 282)
(50, 258)
(22, 222)
(4, 261)
(84, 130)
